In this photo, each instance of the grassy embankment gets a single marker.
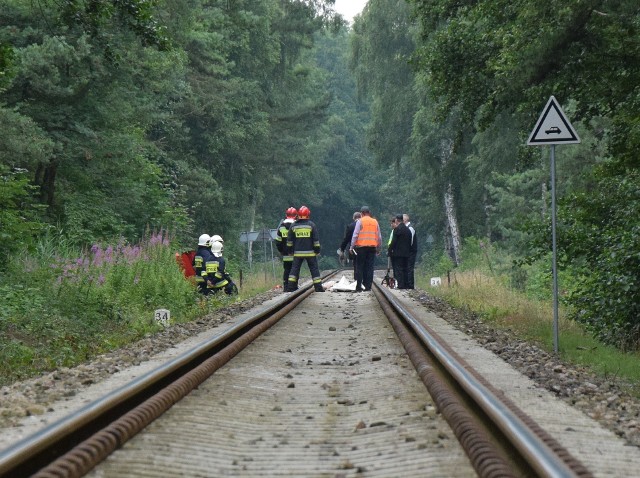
(60, 306)
(487, 295)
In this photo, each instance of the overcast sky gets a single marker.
(349, 8)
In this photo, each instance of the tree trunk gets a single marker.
(487, 213)
(544, 200)
(45, 178)
(252, 225)
(452, 235)
(452, 225)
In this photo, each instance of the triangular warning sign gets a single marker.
(553, 127)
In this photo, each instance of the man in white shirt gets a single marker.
(414, 252)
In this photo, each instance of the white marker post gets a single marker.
(553, 127)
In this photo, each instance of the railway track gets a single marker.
(326, 385)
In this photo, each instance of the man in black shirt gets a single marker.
(399, 251)
(345, 245)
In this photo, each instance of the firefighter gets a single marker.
(203, 254)
(281, 244)
(303, 241)
(217, 238)
(217, 277)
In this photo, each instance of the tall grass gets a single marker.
(489, 292)
(60, 305)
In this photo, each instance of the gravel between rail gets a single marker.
(32, 404)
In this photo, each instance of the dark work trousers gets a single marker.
(411, 265)
(286, 265)
(354, 261)
(401, 269)
(312, 262)
(202, 288)
(364, 267)
(394, 267)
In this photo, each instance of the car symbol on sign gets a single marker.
(553, 130)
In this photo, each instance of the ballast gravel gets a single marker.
(28, 404)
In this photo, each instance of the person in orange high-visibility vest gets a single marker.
(365, 244)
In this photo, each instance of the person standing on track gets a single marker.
(411, 266)
(281, 244)
(365, 243)
(399, 251)
(391, 262)
(304, 242)
(345, 245)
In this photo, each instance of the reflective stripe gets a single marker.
(287, 259)
(302, 232)
(368, 235)
(304, 254)
(283, 234)
(218, 285)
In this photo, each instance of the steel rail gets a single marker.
(539, 450)
(69, 436)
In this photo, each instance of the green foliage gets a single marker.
(602, 231)
(22, 143)
(19, 221)
(86, 302)
(96, 18)
(382, 42)
(6, 59)
(436, 263)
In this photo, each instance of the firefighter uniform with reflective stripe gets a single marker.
(216, 275)
(303, 240)
(203, 254)
(281, 244)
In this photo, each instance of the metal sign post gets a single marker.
(265, 235)
(554, 245)
(553, 127)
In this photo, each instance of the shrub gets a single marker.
(86, 302)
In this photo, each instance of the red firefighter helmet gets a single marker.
(292, 213)
(304, 212)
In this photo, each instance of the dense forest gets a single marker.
(455, 88)
(118, 118)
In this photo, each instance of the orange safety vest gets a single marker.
(368, 235)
